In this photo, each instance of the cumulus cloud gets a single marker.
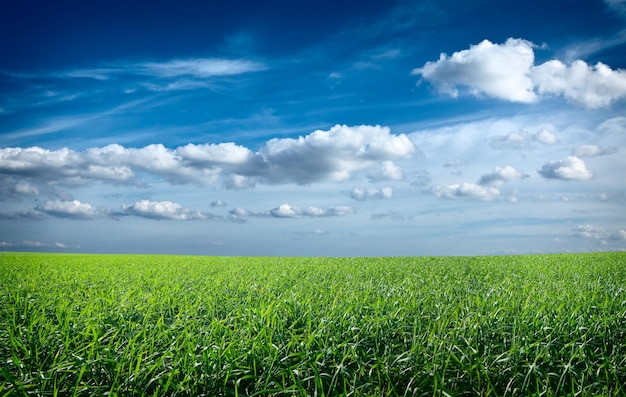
(486, 189)
(507, 71)
(545, 137)
(590, 86)
(522, 140)
(218, 203)
(466, 190)
(70, 209)
(570, 168)
(592, 150)
(336, 154)
(371, 193)
(239, 182)
(162, 210)
(500, 175)
(498, 70)
(292, 211)
(388, 171)
(333, 155)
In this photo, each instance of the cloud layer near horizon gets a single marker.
(333, 155)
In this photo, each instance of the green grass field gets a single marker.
(124, 325)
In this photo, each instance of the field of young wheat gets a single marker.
(125, 325)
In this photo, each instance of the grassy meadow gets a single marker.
(133, 325)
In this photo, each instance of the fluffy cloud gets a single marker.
(63, 166)
(466, 190)
(70, 209)
(486, 189)
(592, 150)
(507, 71)
(371, 193)
(336, 154)
(522, 140)
(333, 155)
(218, 203)
(585, 85)
(498, 70)
(570, 168)
(291, 211)
(500, 175)
(162, 210)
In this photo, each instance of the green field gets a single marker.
(124, 325)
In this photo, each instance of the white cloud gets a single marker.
(218, 203)
(239, 182)
(546, 137)
(333, 155)
(371, 193)
(585, 85)
(522, 140)
(598, 233)
(200, 67)
(507, 71)
(592, 150)
(70, 209)
(292, 211)
(500, 175)
(570, 168)
(162, 210)
(466, 190)
(388, 171)
(498, 70)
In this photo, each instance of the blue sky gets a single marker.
(327, 129)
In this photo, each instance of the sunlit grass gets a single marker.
(429, 326)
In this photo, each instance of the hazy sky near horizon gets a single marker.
(320, 128)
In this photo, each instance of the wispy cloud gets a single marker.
(199, 68)
(593, 150)
(522, 140)
(291, 211)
